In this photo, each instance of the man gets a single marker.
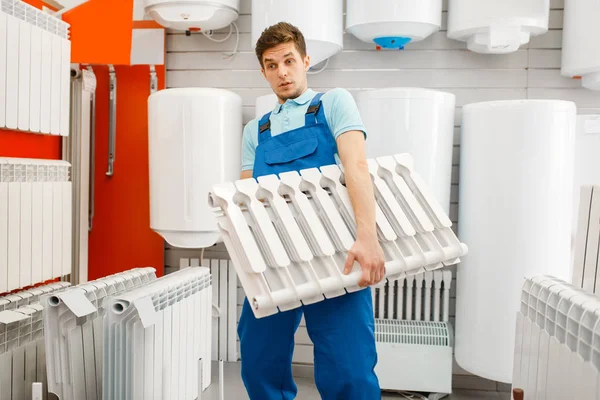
(313, 130)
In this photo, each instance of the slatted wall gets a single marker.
(437, 63)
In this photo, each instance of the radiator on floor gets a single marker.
(586, 271)
(75, 342)
(289, 236)
(224, 297)
(22, 350)
(413, 334)
(557, 341)
(29, 296)
(157, 339)
(35, 56)
(35, 221)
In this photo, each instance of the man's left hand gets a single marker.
(369, 254)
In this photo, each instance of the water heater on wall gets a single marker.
(415, 121)
(393, 23)
(497, 26)
(516, 197)
(194, 143)
(321, 23)
(193, 14)
(580, 49)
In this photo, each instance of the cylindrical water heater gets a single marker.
(580, 48)
(416, 121)
(497, 26)
(321, 23)
(264, 104)
(393, 23)
(515, 210)
(193, 14)
(194, 143)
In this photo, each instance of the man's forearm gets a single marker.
(360, 191)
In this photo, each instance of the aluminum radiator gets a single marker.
(35, 221)
(557, 341)
(224, 298)
(22, 350)
(75, 342)
(157, 339)
(586, 271)
(288, 235)
(413, 335)
(35, 56)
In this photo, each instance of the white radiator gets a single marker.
(35, 221)
(586, 273)
(557, 341)
(413, 335)
(289, 236)
(35, 56)
(22, 350)
(157, 339)
(421, 297)
(29, 296)
(75, 343)
(224, 297)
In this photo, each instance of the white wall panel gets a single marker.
(437, 62)
(549, 78)
(445, 78)
(544, 58)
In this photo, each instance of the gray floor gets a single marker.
(234, 388)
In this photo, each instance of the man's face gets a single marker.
(285, 69)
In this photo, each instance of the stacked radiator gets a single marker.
(224, 297)
(413, 334)
(35, 221)
(586, 271)
(289, 235)
(557, 346)
(75, 333)
(35, 56)
(22, 350)
(157, 339)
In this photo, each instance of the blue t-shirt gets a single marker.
(338, 105)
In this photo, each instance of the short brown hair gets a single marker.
(283, 32)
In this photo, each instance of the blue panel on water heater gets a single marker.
(392, 42)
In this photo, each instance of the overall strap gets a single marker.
(314, 110)
(264, 127)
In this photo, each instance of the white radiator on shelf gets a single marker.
(413, 334)
(289, 236)
(157, 339)
(586, 271)
(35, 221)
(75, 342)
(22, 350)
(557, 341)
(35, 71)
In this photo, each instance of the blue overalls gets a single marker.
(341, 329)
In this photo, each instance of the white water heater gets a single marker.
(516, 201)
(580, 48)
(415, 121)
(195, 137)
(264, 104)
(497, 26)
(321, 23)
(392, 24)
(202, 15)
